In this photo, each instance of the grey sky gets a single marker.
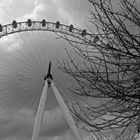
(68, 12)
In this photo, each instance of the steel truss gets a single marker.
(16, 27)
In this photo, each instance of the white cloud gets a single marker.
(68, 12)
(4, 8)
(37, 11)
(20, 123)
(76, 10)
(66, 17)
(2, 15)
(51, 11)
(12, 9)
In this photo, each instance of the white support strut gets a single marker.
(40, 113)
(66, 112)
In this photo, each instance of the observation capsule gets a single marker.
(84, 32)
(43, 23)
(71, 28)
(57, 24)
(29, 22)
(14, 24)
(1, 28)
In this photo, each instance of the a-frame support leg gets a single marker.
(39, 117)
(40, 113)
(66, 112)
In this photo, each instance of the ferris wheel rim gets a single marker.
(37, 25)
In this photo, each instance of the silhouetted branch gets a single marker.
(111, 67)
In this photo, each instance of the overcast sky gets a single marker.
(66, 11)
(19, 125)
(23, 64)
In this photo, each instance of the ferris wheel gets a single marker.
(21, 72)
(43, 25)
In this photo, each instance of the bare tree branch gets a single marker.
(111, 67)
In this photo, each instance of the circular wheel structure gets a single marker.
(25, 79)
(57, 27)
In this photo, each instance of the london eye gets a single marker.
(28, 68)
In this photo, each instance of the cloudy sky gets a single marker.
(24, 59)
(68, 12)
(19, 66)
